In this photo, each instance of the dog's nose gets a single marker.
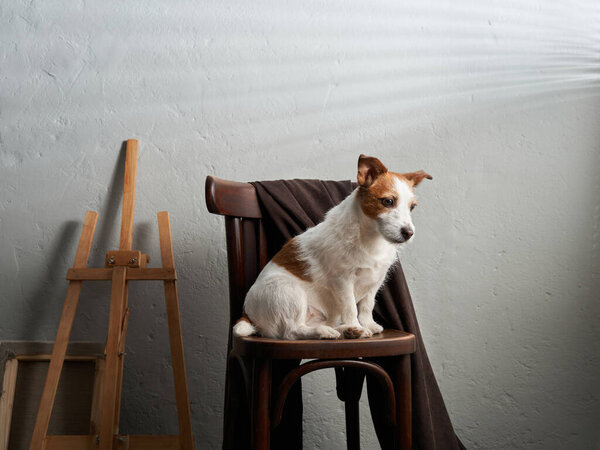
(407, 233)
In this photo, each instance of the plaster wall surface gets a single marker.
(498, 100)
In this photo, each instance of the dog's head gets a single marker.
(388, 198)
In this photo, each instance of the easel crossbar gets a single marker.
(129, 442)
(134, 274)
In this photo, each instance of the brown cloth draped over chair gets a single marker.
(259, 220)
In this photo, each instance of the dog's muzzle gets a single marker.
(407, 233)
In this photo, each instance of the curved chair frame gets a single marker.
(368, 367)
(247, 255)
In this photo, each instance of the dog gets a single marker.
(322, 283)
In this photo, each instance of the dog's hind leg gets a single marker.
(308, 323)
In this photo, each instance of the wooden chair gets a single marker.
(247, 255)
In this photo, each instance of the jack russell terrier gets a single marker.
(322, 283)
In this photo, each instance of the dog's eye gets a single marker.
(387, 202)
(413, 206)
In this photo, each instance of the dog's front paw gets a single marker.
(354, 332)
(326, 332)
(374, 327)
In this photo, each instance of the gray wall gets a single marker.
(498, 100)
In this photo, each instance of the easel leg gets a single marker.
(121, 359)
(96, 411)
(111, 373)
(7, 399)
(177, 358)
(125, 243)
(62, 336)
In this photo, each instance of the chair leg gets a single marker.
(352, 425)
(288, 433)
(236, 413)
(403, 431)
(349, 382)
(261, 399)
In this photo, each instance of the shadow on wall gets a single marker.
(110, 213)
(57, 258)
(46, 289)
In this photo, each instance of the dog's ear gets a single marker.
(369, 169)
(416, 177)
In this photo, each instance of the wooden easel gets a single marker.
(122, 266)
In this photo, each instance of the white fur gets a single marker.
(244, 328)
(348, 255)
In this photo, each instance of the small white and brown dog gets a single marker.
(322, 283)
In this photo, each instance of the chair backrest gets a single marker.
(247, 250)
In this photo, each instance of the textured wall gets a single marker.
(498, 100)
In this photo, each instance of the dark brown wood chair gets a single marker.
(247, 255)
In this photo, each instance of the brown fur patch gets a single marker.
(289, 258)
(369, 169)
(414, 178)
(382, 187)
(244, 318)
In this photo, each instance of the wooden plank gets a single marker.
(6, 400)
(129, 258)
(49, 357)
(129, 195)
(89, 274)
(122, 338)
(85, 241)
(178, 363)
(152, 274)
(123, 442)
(175, 338)
(235, 269)
(71, 408)
(56, 363)
(25, 349)
(93, 274)
(70, 412)
(70, 442)
(64, 331)
(164, 236)
(154, 442)
(133, 442)
(96, 411)
(109, 390)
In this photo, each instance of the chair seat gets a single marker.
(386, 343)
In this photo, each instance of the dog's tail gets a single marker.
(243, 327)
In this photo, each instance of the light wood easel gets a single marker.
(121, 266)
